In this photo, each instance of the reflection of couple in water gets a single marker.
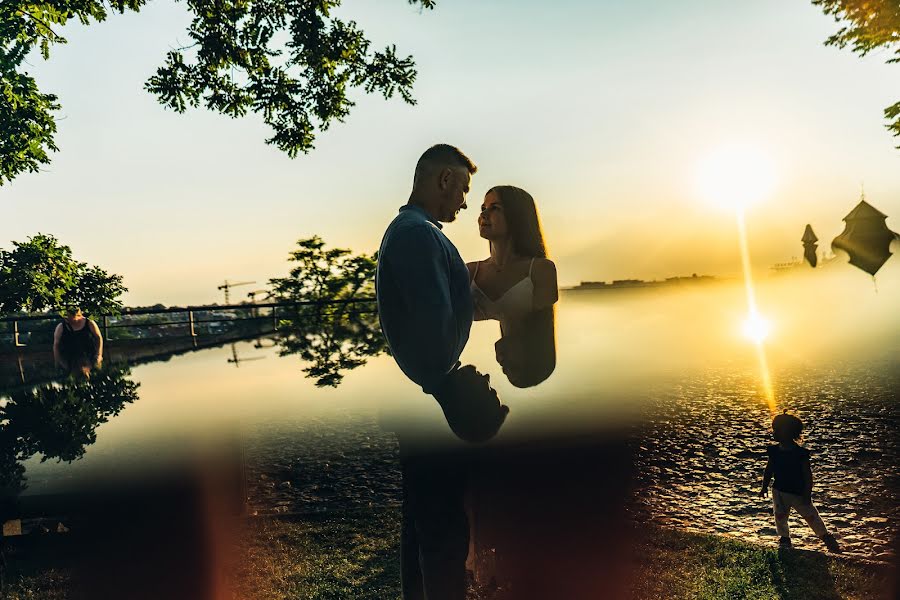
(427, 300)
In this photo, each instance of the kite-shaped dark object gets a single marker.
(809, 240)
(865, 238)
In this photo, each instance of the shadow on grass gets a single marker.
(799, 574)
(680, 565)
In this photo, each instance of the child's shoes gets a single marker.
(831, 544)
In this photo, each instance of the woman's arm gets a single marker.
(543, 275)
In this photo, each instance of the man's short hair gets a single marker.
(444, 155)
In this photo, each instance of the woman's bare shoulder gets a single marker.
(473, 267)
(544, 269)
(546, 290)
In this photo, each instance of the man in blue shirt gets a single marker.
(425, 307)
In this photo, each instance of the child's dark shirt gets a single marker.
(788, 467)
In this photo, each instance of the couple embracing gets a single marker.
(427, 299)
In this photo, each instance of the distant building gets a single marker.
(640, 283)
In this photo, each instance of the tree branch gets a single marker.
(41, 22)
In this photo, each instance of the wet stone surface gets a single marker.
(700, 455)
(321, 465)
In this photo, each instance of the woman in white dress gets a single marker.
(516, 285)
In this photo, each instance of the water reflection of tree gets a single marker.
(339, 331)
(58, 420)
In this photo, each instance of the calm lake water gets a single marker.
(667, 369)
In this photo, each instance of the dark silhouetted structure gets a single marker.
(866, 238)
(809, 240)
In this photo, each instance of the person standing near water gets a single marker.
(426, 312)
(516, 285)
(789, 463)
(77, 342)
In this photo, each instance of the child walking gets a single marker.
(789, 463)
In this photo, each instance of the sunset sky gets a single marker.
(602, 110)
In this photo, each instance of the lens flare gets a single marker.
(756, 328)
(734, 177)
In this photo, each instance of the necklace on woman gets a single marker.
(498, 267)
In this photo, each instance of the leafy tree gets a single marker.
(332, 337)
(868, 25)
(291, 61)
(325, 274)
(58, 420)
(96, 291)
(27, 124)
(333, 342)
(41, 275)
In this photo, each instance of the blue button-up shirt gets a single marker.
(424, 302)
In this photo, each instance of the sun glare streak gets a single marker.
(755, 327)
(733, 177)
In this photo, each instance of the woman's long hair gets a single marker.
(522, 221)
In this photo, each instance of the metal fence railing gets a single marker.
(147, 323)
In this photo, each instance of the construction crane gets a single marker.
(237, 361)
(227, 286)
(252, 295)
(258, 344)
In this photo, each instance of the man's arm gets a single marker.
(418, 267)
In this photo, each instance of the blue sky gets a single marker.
(601, 109)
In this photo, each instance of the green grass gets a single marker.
(320, 558)
(357, 557)
(49, 584)
(690, 565)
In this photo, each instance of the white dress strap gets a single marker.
(477, 264)
(531, 267)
